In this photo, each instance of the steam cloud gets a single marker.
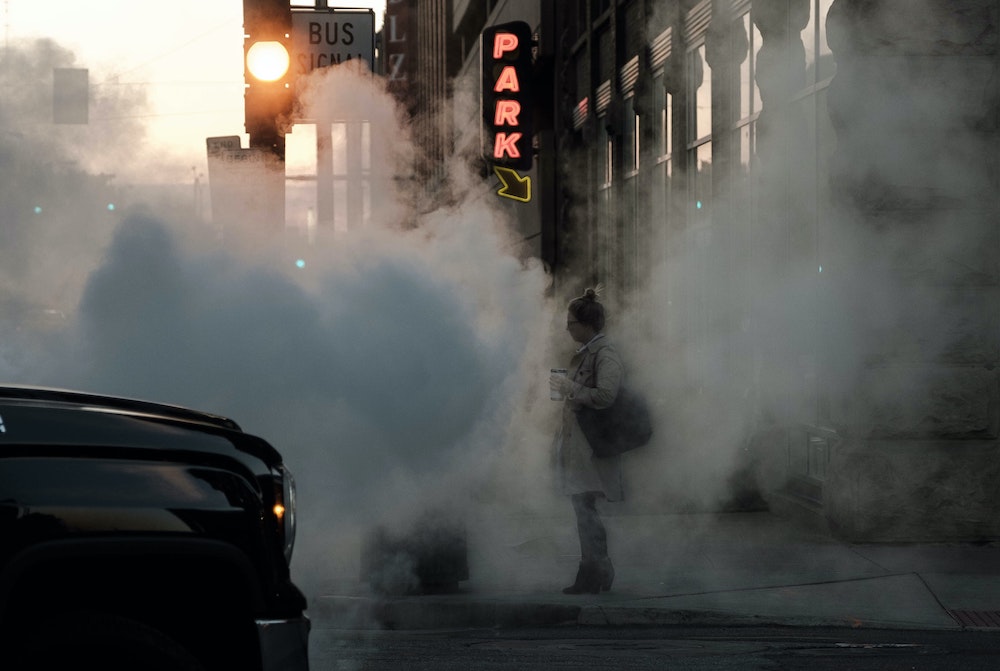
(390, 380)
(408, 372)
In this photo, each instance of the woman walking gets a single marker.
(594, 378)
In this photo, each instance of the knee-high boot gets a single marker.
(595, 572)
(589, 579)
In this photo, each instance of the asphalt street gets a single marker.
(648, 648)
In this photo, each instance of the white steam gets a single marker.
(393, 375)
(405, 369)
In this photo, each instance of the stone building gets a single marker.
(799, 198)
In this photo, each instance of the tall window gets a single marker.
(699, 136)
(746, 45)
(699, 259)
(605, 227)
(631, 138)
(662, 137)
(820, 65)
(746, 107)
(815, 67)
(811, 170)
(632, 256)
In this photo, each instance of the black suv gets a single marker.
(137, 535)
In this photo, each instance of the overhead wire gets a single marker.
(170, 51)
(114, 79)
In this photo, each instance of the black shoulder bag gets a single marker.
(623, 426)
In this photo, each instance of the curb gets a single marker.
(422, 613)
(415, 613)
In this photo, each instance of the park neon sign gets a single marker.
(507, 100)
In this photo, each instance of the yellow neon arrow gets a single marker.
(514, 187)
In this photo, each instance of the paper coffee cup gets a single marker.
(555, 394)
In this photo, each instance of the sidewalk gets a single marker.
(693, 569)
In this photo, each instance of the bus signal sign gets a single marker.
(507, 95)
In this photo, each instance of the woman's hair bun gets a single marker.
(593, 294)
(587, 310)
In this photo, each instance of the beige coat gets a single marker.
(598, 373)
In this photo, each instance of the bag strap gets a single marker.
(601, 344)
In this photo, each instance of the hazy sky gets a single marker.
(187, 54)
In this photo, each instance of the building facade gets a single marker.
(799, 199)
(419, 59)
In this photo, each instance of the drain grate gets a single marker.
(977, 618)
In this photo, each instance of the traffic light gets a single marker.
(507, 100)
(268, 98)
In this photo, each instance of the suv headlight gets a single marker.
(284, 508)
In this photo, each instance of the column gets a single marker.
(914, 358)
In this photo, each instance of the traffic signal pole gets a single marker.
(268, 97)
(267, 28)
(270, 101)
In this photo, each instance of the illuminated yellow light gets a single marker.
(279, 510)
(268, 61)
